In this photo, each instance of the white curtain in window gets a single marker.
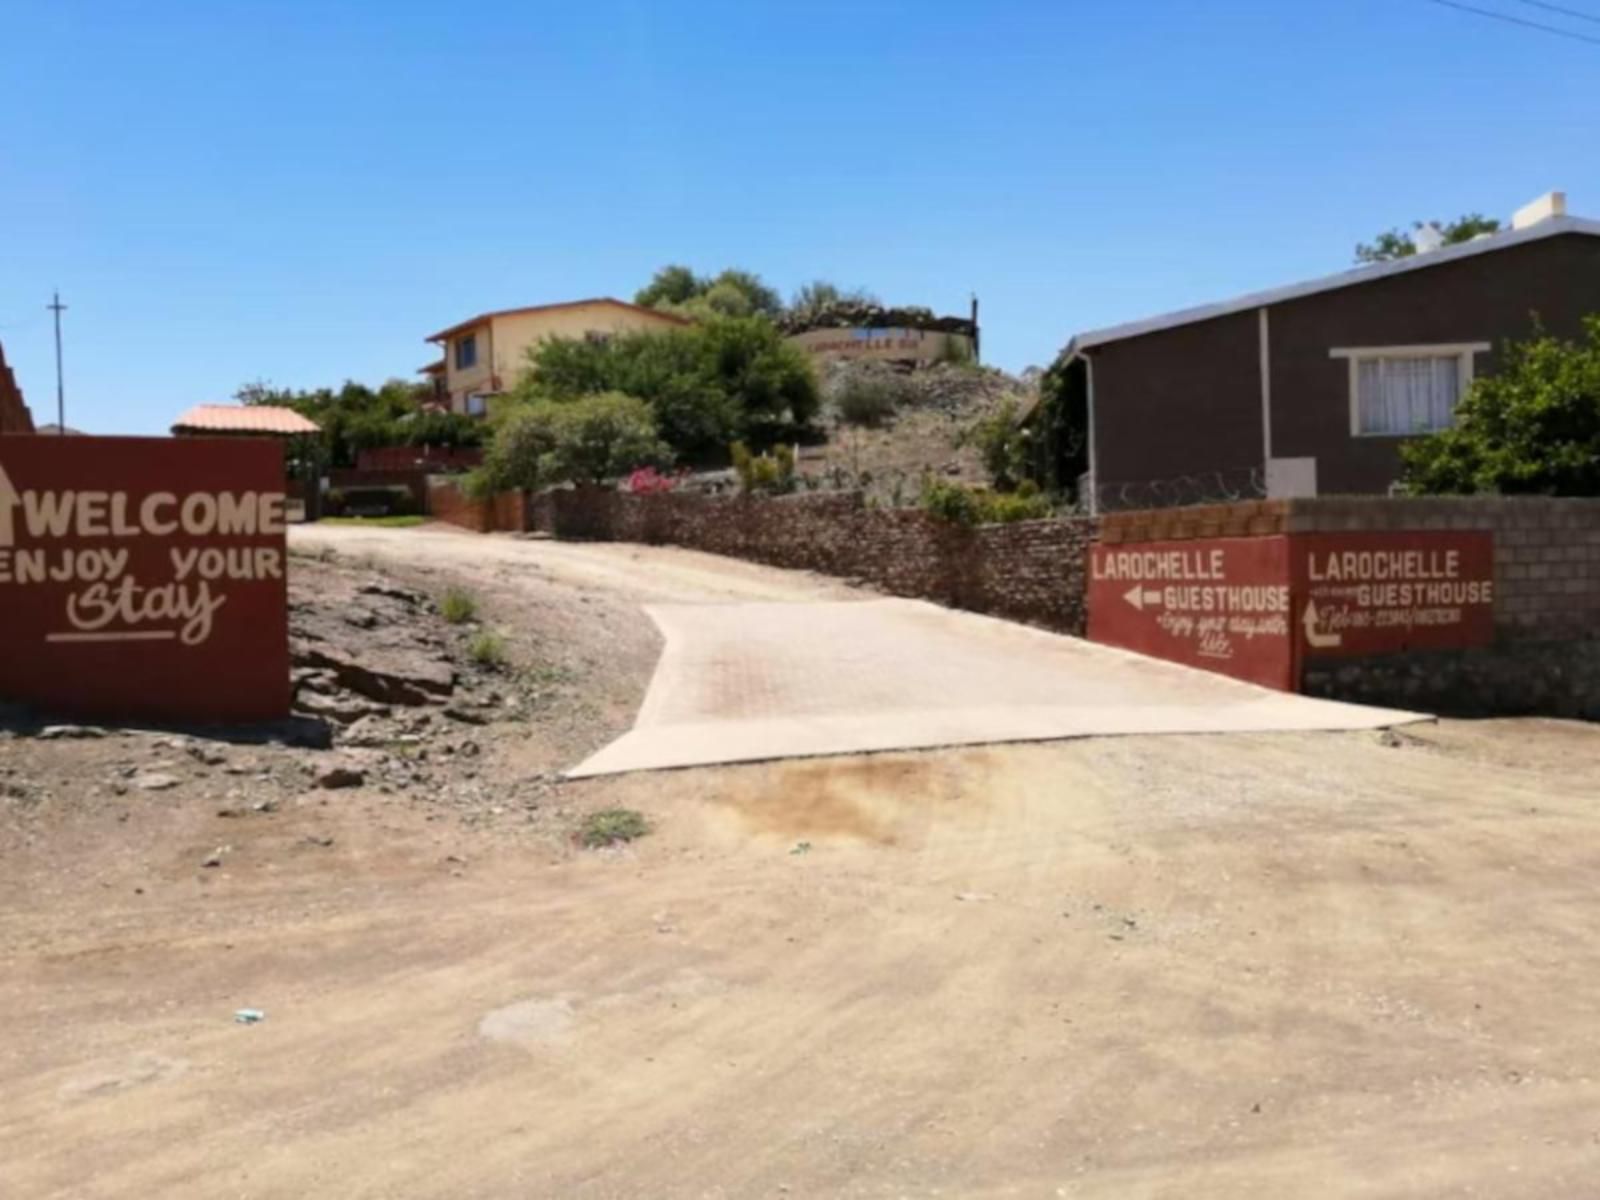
(1407, 395)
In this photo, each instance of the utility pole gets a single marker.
(58, 308)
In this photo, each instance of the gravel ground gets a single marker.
(1248, 965)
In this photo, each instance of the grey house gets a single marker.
(1311, 388)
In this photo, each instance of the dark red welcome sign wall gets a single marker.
(144, 577)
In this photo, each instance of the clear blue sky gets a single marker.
(301, 192)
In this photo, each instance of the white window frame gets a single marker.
(1463, 352)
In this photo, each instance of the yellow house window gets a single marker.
(467, 352)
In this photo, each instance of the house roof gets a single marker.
(433, 368)
(244, 418)
(1552, 227)
(482, 318)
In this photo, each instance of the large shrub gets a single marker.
(587, 440)
(869, 398)
(1533, 427)
(708, 384)
(1003, 444)
(733, 293)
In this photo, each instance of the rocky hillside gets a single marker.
(887, 429)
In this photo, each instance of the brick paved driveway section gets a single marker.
(747, 682)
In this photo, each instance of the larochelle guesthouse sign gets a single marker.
(144, 578)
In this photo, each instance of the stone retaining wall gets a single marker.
(1028, 571)
(1547, 570)
(1550, 679)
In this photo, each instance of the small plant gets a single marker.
(962, 505)
(771, 473)
(647, 481)
(458, 607)
(478, 484)
(870, 401)
(487, 649)
(610, 826)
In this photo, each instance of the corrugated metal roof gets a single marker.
(244, 418)
(1553, 227)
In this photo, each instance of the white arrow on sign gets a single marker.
(8, 506)
(1319, 641)
(1139, 597)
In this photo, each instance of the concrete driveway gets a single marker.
(754, 681)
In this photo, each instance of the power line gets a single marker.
(1510, 20)
(1565, 12)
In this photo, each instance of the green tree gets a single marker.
(1003, 443)
(1532, 427)
(1399, 243)
(733, 293)
(588, 440)
(707, 385)
(671, 285)
(812, 300)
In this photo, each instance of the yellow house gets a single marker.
(488, 354)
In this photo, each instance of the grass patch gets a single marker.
(610, 826)
(458, 607)
(378, 522)
(487, 649)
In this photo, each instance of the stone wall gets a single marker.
(1029, 571)
(1550, 679)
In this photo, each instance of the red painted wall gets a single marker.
(1384, 593)
(144, 578)
(1222, 604)
(1256, 608)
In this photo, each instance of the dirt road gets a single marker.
(1248, 965)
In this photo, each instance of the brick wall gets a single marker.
(1029, 571)
(505, 512)
(447, 502)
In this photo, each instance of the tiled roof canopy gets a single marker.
(244, 418)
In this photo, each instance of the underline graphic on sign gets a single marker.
(151, 635)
